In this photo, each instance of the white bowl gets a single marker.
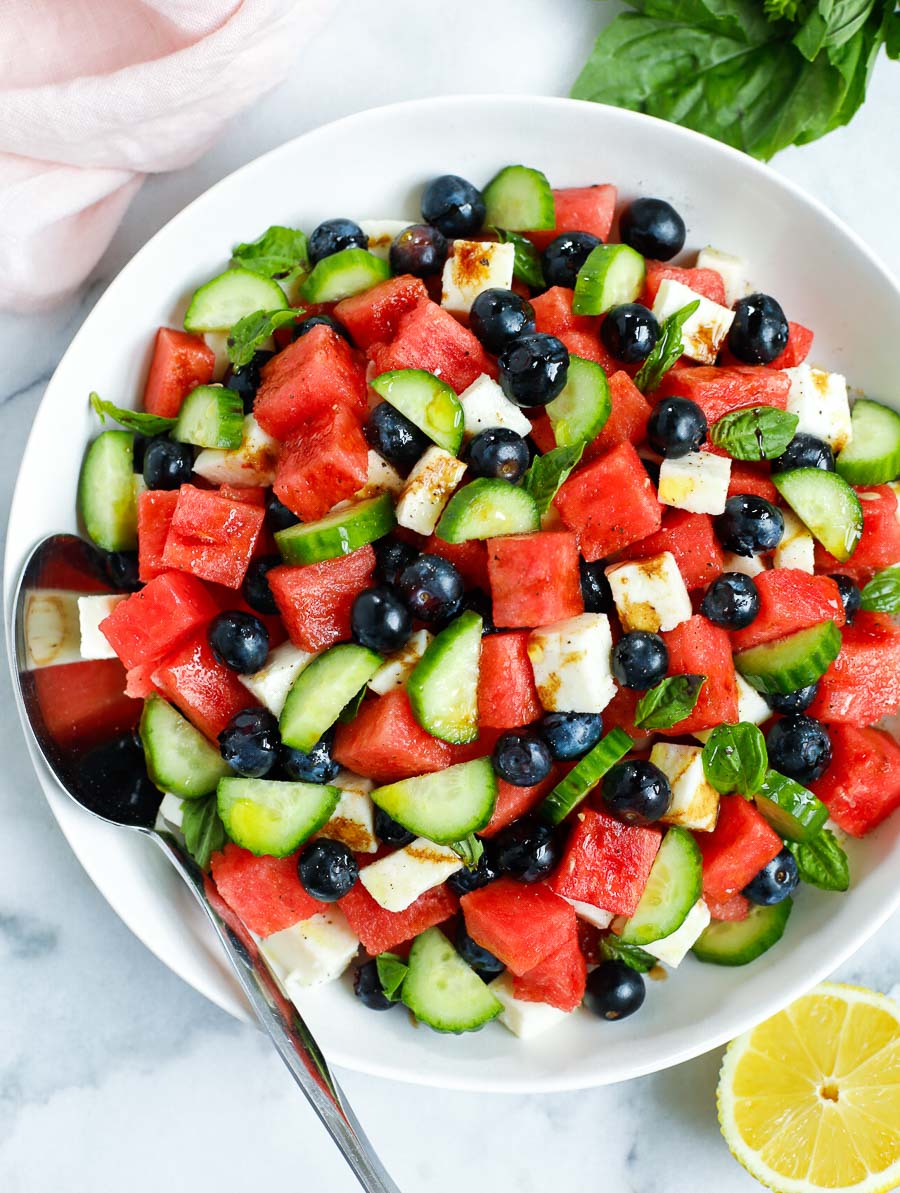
(372, 165)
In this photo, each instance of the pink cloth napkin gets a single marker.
(96, 94)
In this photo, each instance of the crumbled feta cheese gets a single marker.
(673, 949)
(732, 271)
(382, 478)
(253, 463)
(704, 332)
(381, 235)
(695, 802)
(427, 490)
(698, 482)
(524, 1019)
(572, 665)
(397, 880)
(748, 565)
(797, 548)
(314, 951)
(475, 265)
(650, 594)
(819, 400)
(52, 629)
(353, 820)
(397, 667)
(485, 405)
(271, 684)
(91, 611)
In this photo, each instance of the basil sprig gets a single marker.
(469, 849)
(249, 333)
(202, 828)
(669, 702)
(132, 420)
(760, 433)
(274, 254)
(882, 593)
(527, 262)
(392, 972)
(667, 349)
(612, 949)
(548, 472)
(822, 861)
(735, 758)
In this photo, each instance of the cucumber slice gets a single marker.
(273, 819)
(793, 662)
(487, 508)
(338, 533)
(179, 758)
(107, 493)
(211, 416)
(219, 304)
(442, 991)
(872, 457)
(738, 942)
(443, 685)
(793, 812)
(612, 274)
(584, 776)
(827, 505)
(519, 199)
(580, 412)
(673, 887)
(322, 690)
(426, 401)
(446, 806)
(344, 274)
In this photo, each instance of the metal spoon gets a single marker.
(63, 563)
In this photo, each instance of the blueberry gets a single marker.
(595, 590)
(760, 330)
(805, 451)
(499, 453)
(391, 557)
(121, 568)
(368, 989)
(168, 465)
(630, 332)
(775, 881)
(614, 990)
(393, 436)
(750, 524)
(731, 601)
(570, 734)
(636, 791)
(138, 449)
(677, 427)
(278, 516)
(249, 743)
(499, 317)
(565, 255)
(239, 640)
(466, 880)
(851, 597)
(327, 870)
(478, 601)
(652, 468)
(389, 832)
(522, 759)
(793, 702)
(654, 228)
(432, 588)
(534, 369)
(640, 660)
(380, 620)
(420, 250)
(485, 964)
(310, 766)
(255, 589)
(245, 380)
(526, 850)
(333, 236)
(453, 205)
(111, 780)
(306, 325)
(799, 747)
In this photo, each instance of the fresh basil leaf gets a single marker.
(822, 862)
(669, 702)
(758, 433)
(204, 833)
(666, 351)
(735, 758)
(276, 253)
(612, 949)
(132, 420)
(470, 849)
(831, 25)
(892, 33)
(548, 472)
(253, 330)
(882, 593)
(527, 264)
(392, 972)
(778, 10)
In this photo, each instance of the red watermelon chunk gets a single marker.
(513, 802)
(719, 391)
(542, 432)
(534, 578)
(588, 347)
(507, 696)
(518, 923)
(697, 647)
(180, 363)
(373, 316)
(316, 600)
(249, 494)
(620, 714)
(386, 743)
(559, 979)
(265, 892)
(327, 462)
(606, 862)
(212, 536)
(707, 282)
(553, 314)
(751, 478)
(732, 909)
(580, 209)
(862, 784)
(879, 546)
(862, 685)
(139, 681)
(737, 849)
(156, 509)
(429, 338)
(627, 422)
(789, 600)
(314, 373)
(85, 704)
(380, 930)
(208, 693)
(691, 540)
(470, 559)
(610, 503)
(150, 622)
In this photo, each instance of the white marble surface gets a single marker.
(113, 1073)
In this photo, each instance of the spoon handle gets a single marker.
(290, 1035)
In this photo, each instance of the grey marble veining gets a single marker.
(114, 1074)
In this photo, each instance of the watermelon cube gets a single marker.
(314, 373)
(380, 930)
(507, 696)
(580, 209)
(150, 622)
(789, 600)
(518, 923)
(719, 391)
(609, 503)
(692, 541)
(156, 509)
(553, 314)
(800, 340)
(620, 714)
(469, 559)
(534, 578)
(879, 546)
(732, 909)
(862, 685)
(606, 863)
(212, 537)
(559, 979)
(513, 802)
(707, 282)
(697, 647)
(385, 742)
(139, 681)
(180, 363)
(208, 693)
(265, 892)
(84, 704)
(862, 784)
(326, 463)
(373, 316)
(737, 849)
(750, 478)
(316, 600)
(628, 419)
(429, 338)
(588, 347)
(542, 432)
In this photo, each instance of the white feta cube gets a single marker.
(397, 667)
(820, 401)
(382, 477)
(673, 949)
(748, 565)
(253, 463)
(598, 916)
(314, 951)
(353, 820)
(571, 661)
(271, 684)
(704, 332)
(171, 811)
(475, 265)
(427, 490)
(396, 881)
(218, 341)
(698, 482)
(732, 270)
(895, 486)
(797, 548)
(91, 611)
(695, 802)
(650, 594)
(381, 235)
(524, 1019)
(52, 630)
(485, 405)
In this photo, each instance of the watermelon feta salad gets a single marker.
(510, 608)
